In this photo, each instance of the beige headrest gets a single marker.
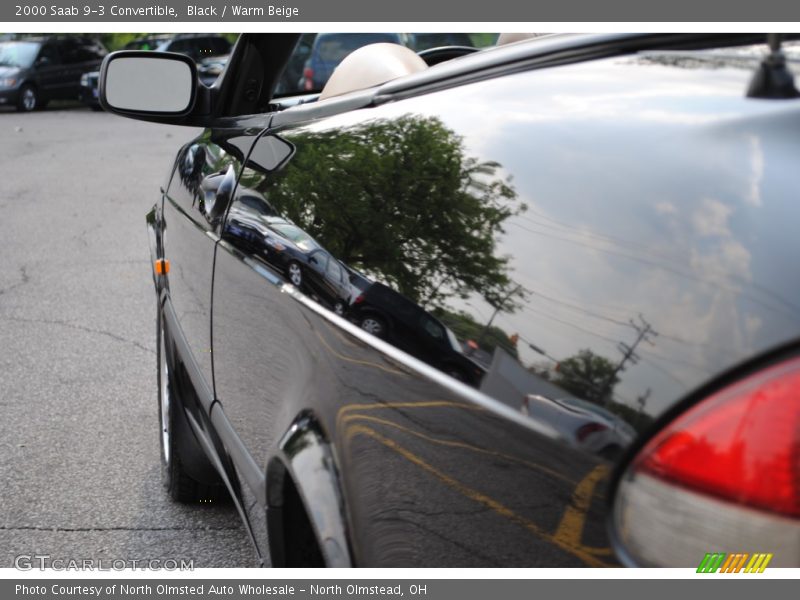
(371, 65)
(510, 38)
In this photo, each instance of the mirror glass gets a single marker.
(149, 84)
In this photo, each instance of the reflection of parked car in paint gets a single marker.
(289, 249)
(358, 281)
(587, 426)
(389, 315)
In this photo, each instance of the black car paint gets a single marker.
(416, 469)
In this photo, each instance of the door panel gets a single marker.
(190, 235)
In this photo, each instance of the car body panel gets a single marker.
(609, 198)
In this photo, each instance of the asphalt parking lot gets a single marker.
(79, 458)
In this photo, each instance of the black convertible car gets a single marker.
(606, 218)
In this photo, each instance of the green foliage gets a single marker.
(466, 328)
(440, 211)
(588, 376)
(482, 40)
(637, 419)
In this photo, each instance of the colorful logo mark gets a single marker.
(714, 562)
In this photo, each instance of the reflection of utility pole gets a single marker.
(643, 330)
(494, 314)
(642, 400)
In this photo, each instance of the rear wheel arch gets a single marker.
(306, 517)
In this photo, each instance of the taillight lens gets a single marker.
(359, 299)
(588, 429)
(722, 477)
(308, 79)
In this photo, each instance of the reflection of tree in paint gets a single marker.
(438, 211)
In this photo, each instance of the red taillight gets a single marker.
(359, 299)
(585, 431)
(724, 476)
(741, 444)
(308, 79)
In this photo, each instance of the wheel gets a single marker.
(28, 99)
(456, 373)
(338, 308)
(295, 272)
(374, 325)
(179, 450)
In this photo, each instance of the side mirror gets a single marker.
(137, 83)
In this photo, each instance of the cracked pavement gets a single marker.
(79, 458)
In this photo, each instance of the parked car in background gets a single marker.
(210, 68)
(197, 46)
(621, 207)
(329, 49)
(210, 52)
(34, 71)
(425, 41)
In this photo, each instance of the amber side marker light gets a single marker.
(723, 475)
(162, 266)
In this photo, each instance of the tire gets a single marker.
(179, 449)
(295, 274)
(374, 325)
(29, 99)
(456, 374)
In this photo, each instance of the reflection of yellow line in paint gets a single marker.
(463, 445)
(570, 530)
(578, 550)
(366, 363)
(340, 335)
(396, 405)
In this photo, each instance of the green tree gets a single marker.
(588, 376)
(467, 328)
